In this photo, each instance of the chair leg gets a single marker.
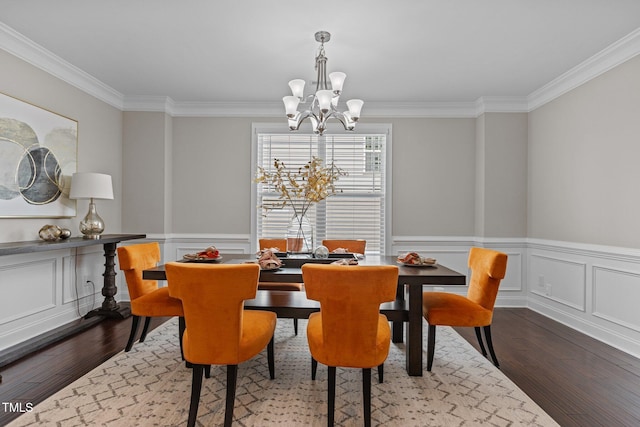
(366, 395)
(487, 336)
(295, 326)
(181, 328)
(480, 341)
(196, 386)
(232, 377)
(147, 320)
(314, 368)
(207, 371)
(381, 373)
(135, 321)
(271, 359)
(331, 390)
(431, 346)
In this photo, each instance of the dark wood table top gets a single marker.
(439, 274)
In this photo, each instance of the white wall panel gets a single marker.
(616, 294)
(27, 288)
(558, 279)
(513, 279)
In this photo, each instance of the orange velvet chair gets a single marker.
(349, 330)
(147, 299)
(281, 244)
(219, 330)
(354, 246)
(488, 268)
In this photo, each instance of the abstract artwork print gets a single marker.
(38, 155)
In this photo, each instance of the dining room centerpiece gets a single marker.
(299, 188)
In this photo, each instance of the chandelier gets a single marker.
(323, 104)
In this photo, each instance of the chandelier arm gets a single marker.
(303, 116)
(348, 124)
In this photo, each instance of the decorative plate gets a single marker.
(196, 258)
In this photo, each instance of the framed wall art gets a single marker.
(38, 156)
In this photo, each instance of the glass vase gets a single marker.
(299, 235)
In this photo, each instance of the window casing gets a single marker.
(360, 208)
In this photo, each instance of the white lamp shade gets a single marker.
(297, 87)
(349, 123)
(355, 106)
(324, 99)
(291, 105)
(337, 80)
(87, 185)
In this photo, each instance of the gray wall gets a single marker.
(459, 177)
(99, 140)
(584, 149)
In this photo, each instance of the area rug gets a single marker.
(150, 386)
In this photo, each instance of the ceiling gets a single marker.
(392, 51)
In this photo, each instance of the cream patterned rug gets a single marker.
(150, 386)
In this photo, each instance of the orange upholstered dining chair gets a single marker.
(281, 244)
(219, 331)
(349, 330)
(147, 298)
(353, 246)
(488, 268)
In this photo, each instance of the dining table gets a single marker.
(407, 308)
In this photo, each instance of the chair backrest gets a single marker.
(350, 298)
(213, 301)
(273, 243)
(488, 268)
(354, 246)
(135, 258)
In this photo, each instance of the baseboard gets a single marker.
(36, 343)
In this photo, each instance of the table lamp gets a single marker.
(90, 185)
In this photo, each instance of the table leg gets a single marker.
(110, 307)
(397, 326)
(414, 332)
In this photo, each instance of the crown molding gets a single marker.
(25, 49)
(501, 104)
(274, 109)
(228, 109)
(418, 109)
(608, 58)
(162, 104)
(614, 55)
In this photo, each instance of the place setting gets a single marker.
(414, 259)
(209, 255)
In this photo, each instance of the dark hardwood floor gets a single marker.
(575, 379)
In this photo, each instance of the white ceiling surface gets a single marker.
(246, 51)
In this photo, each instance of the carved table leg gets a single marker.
(110, 307)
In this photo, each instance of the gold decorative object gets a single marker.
(50, 232)
(300, 188)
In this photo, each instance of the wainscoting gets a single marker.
(43, 291)
(592, 289)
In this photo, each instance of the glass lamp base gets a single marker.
(92, 225)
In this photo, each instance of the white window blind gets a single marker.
(356, 211)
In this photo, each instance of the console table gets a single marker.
(110, 307)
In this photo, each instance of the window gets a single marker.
(360, 208)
